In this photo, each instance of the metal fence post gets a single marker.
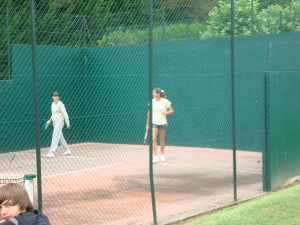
(252, 16)
(233, 103)
(150, 114)
(8, 38)
(187, 30)
(163, 23)
(280, 21)
(36, 105)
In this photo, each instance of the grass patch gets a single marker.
(281, 207)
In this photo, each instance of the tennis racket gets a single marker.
(145, 136)
(47, 124)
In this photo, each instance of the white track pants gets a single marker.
(58, 137)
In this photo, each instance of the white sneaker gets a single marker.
(162, 158)
(66, 153)
(50, 155)
(155, 159)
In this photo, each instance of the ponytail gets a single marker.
(161, 92)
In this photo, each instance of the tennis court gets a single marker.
(105, 58)
(109, 183)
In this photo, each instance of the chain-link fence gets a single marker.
(95, 54)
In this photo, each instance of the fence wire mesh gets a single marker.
(95, 54)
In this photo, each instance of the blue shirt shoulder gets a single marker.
(28, 218)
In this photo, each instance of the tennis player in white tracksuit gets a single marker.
(59, 117)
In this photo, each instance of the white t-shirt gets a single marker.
(158, 108)
(59, 112)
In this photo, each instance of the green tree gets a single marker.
(14, 28)
(219, 23)
(263, 4)
(273, 19)
(269, 20)
(71, 22)
(181, 10)
(276, 19)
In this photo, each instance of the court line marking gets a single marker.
(83, 170)
(171, 164)
(89, 158)
(69, 156)
(108, 165)
(241, 171)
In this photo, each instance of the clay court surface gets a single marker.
(109, 183)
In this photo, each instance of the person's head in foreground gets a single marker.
(16, 208)
(14, 200)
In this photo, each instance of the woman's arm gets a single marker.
(51, 114)
(170, 111)
(65, 114)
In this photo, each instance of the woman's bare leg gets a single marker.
(162, 135)
(154, 140)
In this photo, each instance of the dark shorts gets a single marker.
(161, 127)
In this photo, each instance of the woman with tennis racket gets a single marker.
(161, 107)
(59, 117)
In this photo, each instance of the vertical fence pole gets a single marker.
(252, 16)
(187, 30)
(106, 35)
(8, 40)
(84, 30)
(280, 21)
(150, 102)
(8, 25)
(163, 23)
(36, 106)
(233, 103)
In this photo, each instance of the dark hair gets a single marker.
(17, 195)
(55, 93)
(161, 92)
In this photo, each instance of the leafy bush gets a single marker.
(170, 32)
(293, 15)
(219, 23)
(263, 4)
(273, 19)
(269, 20)
(276, 19)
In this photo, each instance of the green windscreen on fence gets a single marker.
(18, 119)
(282, 127)
(196, 68)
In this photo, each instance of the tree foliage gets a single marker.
(192, 10)
(273, 19)
(96, 22)
(263, 4)
(219, 22)
(277, 19)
